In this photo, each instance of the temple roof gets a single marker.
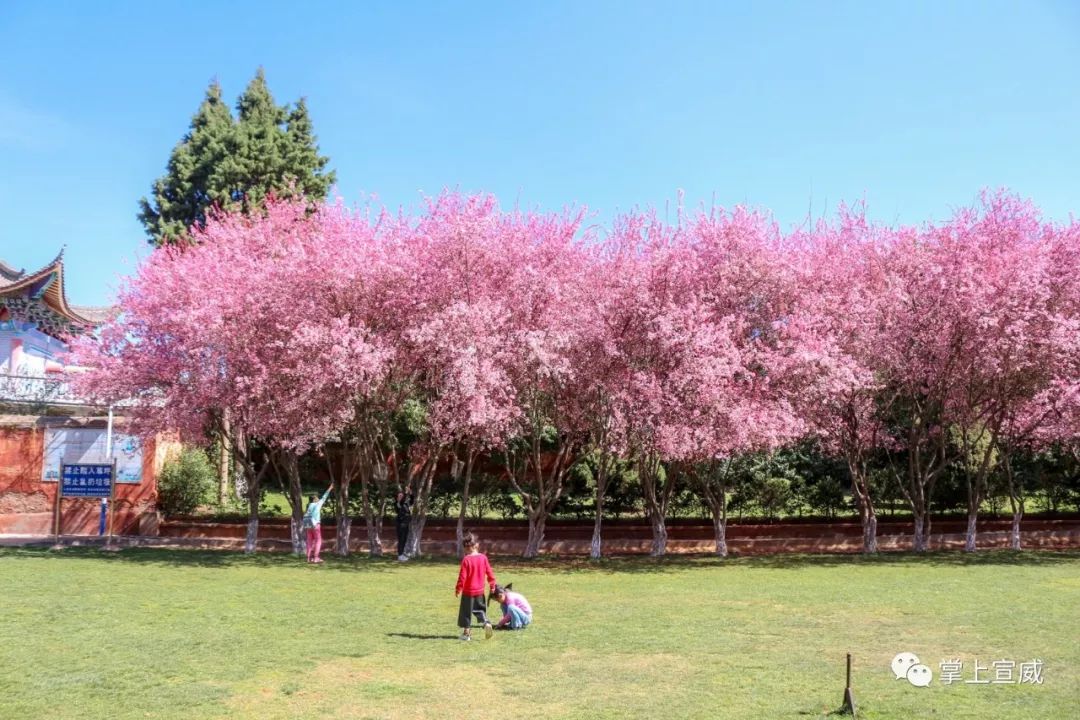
(8, 273)
(22, 294)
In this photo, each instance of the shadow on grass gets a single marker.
(638, 564)
(938, 558)
(414, 636)
(224, 559)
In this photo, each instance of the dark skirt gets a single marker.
(472, 605)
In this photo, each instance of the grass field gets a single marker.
(187, 634)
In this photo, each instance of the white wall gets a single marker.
(37, 347)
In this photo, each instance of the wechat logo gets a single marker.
(907, 665)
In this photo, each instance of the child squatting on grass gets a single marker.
(475, 568)
(313, 525)
(517, 613)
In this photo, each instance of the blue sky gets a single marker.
(913, 106)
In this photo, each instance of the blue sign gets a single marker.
(87, 480)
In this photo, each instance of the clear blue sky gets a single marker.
(913, 105)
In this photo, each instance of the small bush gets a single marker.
(185, 483)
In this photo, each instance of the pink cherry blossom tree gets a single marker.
(843, 395)
(414, 343)
(546, 299)
(919, 363)
(605, 322)
(708, 347)
(455, 335)
(231, 326)
(1017, 279)
(758, 349)
(975, 328)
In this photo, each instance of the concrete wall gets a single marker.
(27, 503)
(25, 350)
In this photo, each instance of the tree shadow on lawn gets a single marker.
(630, 564)
(639, 564)
(937, 558)
(223, 559)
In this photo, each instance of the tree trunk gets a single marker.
(341, 483)
(869, 528)
(374, 537)
(287, 472)
(224, 458)
(416, 534)
(659, 534)
(538, 515)
(1014, 535)
(720, 530)
(920, 539)
(976, 481)
(296, 523)
(867, 516)
(969, 539)
(253, 519)
(240, 488)
(536, 535)
(460, 530)
(656, 502)
(371, 524)
(927, 457)
(595, 543)
(547, 489)
(371, 467)
(920, 513)
(421, 485)
(602, 476)
(1016, 503)
(343, 536)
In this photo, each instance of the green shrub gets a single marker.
(185, 482)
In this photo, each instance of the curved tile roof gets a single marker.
(19, 291)
(8, 273)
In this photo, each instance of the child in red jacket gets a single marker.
(475, 568)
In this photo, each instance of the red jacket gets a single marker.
(470, 579)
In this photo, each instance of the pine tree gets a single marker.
(192, 182)
(235, 163)
(303, 154)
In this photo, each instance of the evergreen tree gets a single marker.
(303, 152)
(235, 163)
(193, 181)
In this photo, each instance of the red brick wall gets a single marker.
(27, 504)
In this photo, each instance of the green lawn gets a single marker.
(186, 634)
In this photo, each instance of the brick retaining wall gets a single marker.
(635, 538)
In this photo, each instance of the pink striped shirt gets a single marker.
(517, 600)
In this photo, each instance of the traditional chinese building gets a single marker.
(43, 425)
(36, 317)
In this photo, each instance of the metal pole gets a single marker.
(112, 498)
(108, 436)
(112, 479)
(849, 696)
(59, 496)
